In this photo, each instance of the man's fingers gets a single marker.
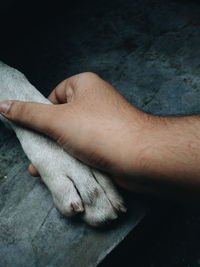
(64, 92)
(61, 93)
(33, 115)
(32, 170)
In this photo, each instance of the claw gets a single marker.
(76, 208)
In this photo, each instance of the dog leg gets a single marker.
(75, 187)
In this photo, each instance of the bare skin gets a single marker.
(95, 124)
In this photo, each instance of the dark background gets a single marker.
(150, 51)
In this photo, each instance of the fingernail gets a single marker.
(5, 107)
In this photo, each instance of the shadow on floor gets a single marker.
(166, 238)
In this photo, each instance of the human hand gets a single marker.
(90, 120)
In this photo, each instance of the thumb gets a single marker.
(33, 115)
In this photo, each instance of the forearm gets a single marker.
(168, 158)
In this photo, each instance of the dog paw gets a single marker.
(75, 188)
(102, 202)
(79, 189)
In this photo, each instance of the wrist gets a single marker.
(138, 166)
(142, 142)
(133, 148)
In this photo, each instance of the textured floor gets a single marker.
(150, 51)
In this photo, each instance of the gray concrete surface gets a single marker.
(149, 50)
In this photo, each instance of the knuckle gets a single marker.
(17, 109)
(25, 110)
(89, 75)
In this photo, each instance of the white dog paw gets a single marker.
(76, 188)
(66, 197)
(107, 203)
(102, 203)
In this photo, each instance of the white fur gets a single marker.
(97, 199)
